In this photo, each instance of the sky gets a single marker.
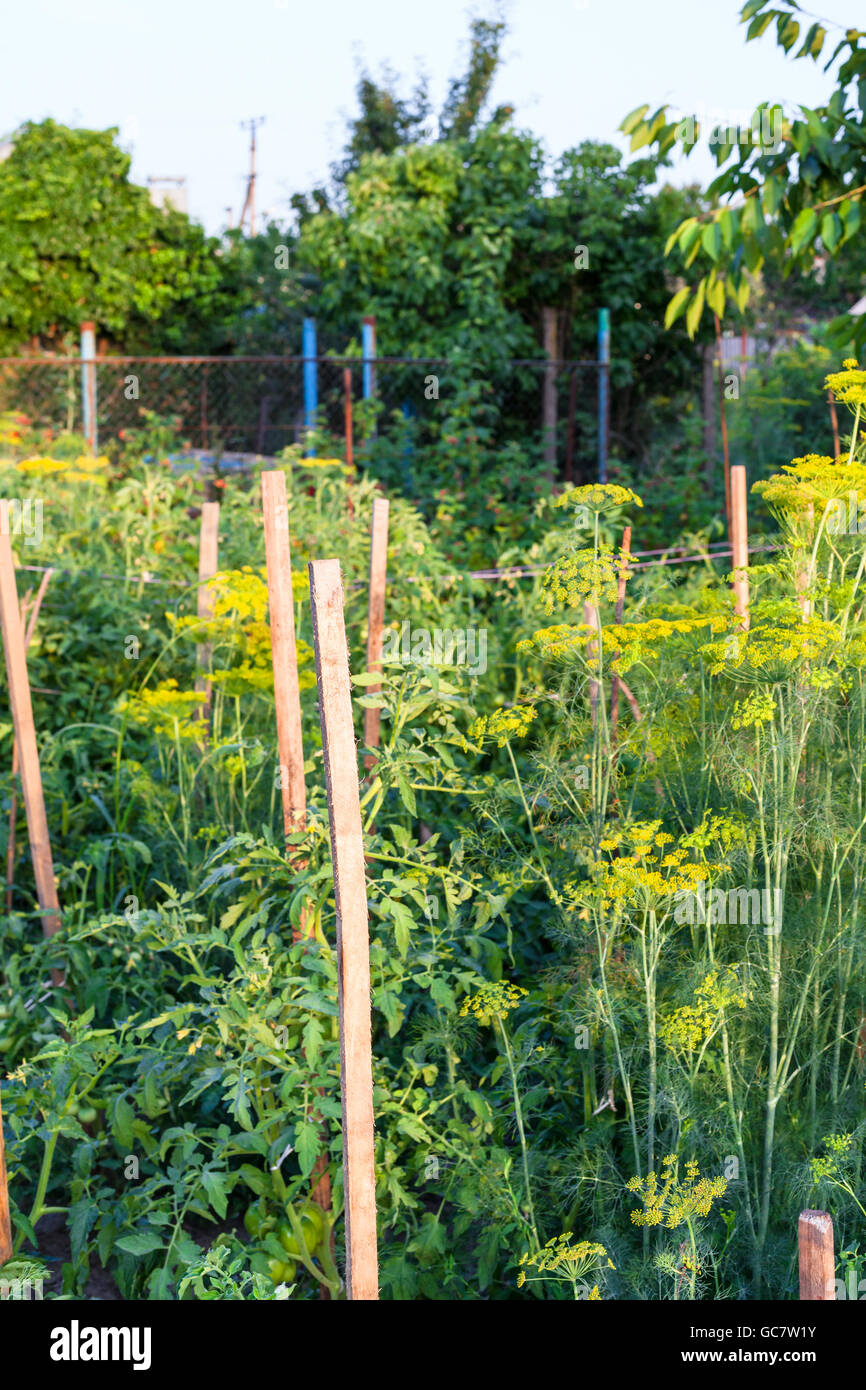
(179, 76)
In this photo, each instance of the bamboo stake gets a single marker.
(817, 1264)
(207, 567)
(287, 695)
(376, 619)
(11, 846)
(353, 946)
(740, 543)
(620, 610)
(5, 1223)
(25, 737)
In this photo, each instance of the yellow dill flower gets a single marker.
(676, 1200)
(598, 497)
(502, 725)
(581, 576)
(849, 385)
(166, 709)
(493, 999)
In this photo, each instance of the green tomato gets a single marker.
(289, 1241)
(257, 1221)
(5, 1011)
(282, 1271)
(88, 1115)
(6, 1043)
(310, 1211)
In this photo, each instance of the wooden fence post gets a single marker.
(353, 945)
(376, 618)
(740, 542)
(25, 736)
(281, 604)
(817, 1262)
(208, 548)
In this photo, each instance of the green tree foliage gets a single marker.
(79, 241)
(790, 187)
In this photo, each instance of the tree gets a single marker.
(79, 241)
(793, 186)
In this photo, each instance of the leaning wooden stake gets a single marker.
(376, 618)
(25, 736)
(353, 946)
(29, 624)
(208, 548)
(817, 1263)
(740, 543)
(281, 604)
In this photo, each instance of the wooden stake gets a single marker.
(25, 736)
(620, 609)
(817, 1264)
(287, 695)
(834, 421)
(802, 576)
(207, 567)
(347, 392)
(5, 1223)
(11, 846)
(590, 617)
(376, 618)
(353, 945)
(740, 542)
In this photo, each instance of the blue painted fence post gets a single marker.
(311, 384)
(88, 385)
(368, 353)
(603, 391)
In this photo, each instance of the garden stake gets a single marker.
(5, 1223)
(817, 1263)
(281, 605)
(207, 568)
(376, 619)
(620, 609)
(350, 443)
(287, 701)
(802, 578)
(590, 617)
(353, 944)
(834, 421)
(25, 737)
(11, 848)
(740, 543)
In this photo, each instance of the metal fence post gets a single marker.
(88, 384)
(603, 391)
(311, 384)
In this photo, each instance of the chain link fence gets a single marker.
(258, 405)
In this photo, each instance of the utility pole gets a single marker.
(250, 200)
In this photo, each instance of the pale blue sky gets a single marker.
(178, 76)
